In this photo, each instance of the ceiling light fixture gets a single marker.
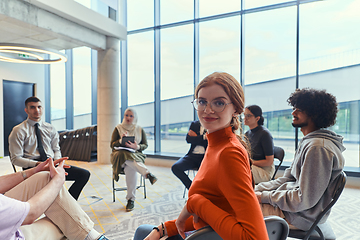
(21, 53)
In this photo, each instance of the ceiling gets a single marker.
(15, 31)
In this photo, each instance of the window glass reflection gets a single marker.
(57, 100)
(220, 46)
(215, 7)
(140, 14)
(177, 87)
(176, 11)
(141, 81)
(82, 87)
(330, 59)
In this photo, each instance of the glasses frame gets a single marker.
(193, 103)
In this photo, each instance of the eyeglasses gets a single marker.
(215, 105)
(248, 115)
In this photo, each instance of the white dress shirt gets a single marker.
(23, 143)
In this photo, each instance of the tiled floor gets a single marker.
(96, 200)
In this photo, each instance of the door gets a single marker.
(14, 96)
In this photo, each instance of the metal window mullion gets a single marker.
(157, 83)
(94, 86)
(297, 61)
(69, 90)
(196, 50)
(123, 63)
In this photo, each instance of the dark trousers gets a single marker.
(189, 161)
(80, 176)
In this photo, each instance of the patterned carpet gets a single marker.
(166, 208)
(344, 217)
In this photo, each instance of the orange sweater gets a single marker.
(222, 195)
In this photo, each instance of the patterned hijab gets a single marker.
(130, 129)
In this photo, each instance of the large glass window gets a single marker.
(260, 3)
(58, 101)
(270, 64)
(220, 46)
(330, 59)
(176, 11)
(140, 14)
(177, 87)
(215, 7)
(141, 81)
(82, 87)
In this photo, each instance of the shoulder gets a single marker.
(265, 131)
(21, 127)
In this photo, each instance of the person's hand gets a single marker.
(44, 166)
(191, 133)
(124, 135)
(57, 172)
(258, 196)
(180, 221)
(132, 145)
(153, 235)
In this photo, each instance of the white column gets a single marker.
(107, 97)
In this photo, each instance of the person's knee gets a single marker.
(84, 174)
(142, 231)
(175, 168)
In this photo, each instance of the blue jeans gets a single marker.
(144, 230)
(189, 161)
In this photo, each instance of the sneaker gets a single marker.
(102, 237)
(130, 205)
(151, 178)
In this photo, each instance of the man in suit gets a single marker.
(33, 141)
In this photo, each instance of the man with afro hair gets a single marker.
(307, 185)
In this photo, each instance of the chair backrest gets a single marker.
(340, 184)
(279, 154)
(205, 233)
(277, 228)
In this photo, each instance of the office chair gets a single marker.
(276, 227)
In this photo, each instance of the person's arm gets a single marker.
(193, 136)
(46, 196)
(16, 149)
(143, 144)
(314, 169)
(11, 180)
(267, 145)
(274, 184)
(236, 187)
(115, 137)
(54, 142)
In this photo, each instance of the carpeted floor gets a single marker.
(166, 208)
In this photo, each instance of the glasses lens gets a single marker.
(218, 105)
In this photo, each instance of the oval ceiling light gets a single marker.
(21, 53)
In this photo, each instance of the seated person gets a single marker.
(307, 185)
(26, 195)
(192, 160)
(222, 193)
(262, 146)
(34, 140)
(130, 162)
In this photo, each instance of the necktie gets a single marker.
(39, 143)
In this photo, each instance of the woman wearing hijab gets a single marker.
(130, 159)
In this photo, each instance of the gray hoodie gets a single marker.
(308, 184)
